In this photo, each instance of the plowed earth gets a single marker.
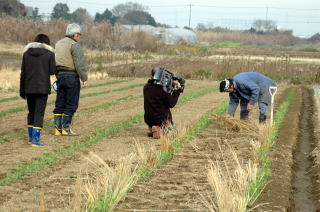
(173, 187)
(57, 180)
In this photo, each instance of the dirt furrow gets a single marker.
(178, 184)
(58, 181)
(277, 194)
(19, 151)
(303, 199)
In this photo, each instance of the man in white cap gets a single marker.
(248, 88)
(71, 69)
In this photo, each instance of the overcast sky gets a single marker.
(303, 16)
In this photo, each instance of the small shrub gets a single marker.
(203, 74)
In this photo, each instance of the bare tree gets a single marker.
(264, 25)
(80, 16)
(121, 10)
(138, 17)
(61, 10)
(106, 16)
(12, 8)
(201, 27)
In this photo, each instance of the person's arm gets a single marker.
(52, 65)
(171, 99)
(233, 104)
(79, 61)
(22, 78)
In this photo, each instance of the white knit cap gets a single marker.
(73, 29)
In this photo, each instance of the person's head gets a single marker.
(42, 38)
(227, 85)
(74, 31)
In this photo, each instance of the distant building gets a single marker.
(170, 36)
(29, 11)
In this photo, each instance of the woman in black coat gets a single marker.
(38, 64)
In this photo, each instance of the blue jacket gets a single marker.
(250, 87)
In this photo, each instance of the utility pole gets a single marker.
(267, 10)
(190, 5)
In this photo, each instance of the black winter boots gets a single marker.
(66, 126)
(58, 124)
(262, 119)
(244, 115)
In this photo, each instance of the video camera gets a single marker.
(167, 80)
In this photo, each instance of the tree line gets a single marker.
(126, 13)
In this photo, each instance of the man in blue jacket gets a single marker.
(248, 88)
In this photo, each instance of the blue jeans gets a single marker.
(68, 94)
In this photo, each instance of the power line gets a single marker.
(190, 5)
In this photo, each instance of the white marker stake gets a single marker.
(272, 91)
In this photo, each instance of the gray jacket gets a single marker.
(70, 58)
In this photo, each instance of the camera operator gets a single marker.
(160, 94)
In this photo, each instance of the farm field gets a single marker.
(16, 152)
(110, 122)
(113, 166)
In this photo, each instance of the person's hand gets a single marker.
(85, 83)
(250, 107)
(177, 86)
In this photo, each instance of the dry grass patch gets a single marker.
(229, 180)
(10, 79)
(98, 75)
(12, 48)
(108, 185)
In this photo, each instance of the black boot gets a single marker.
(244, 115)
(66, 126)
(57, 124)
(262, 119)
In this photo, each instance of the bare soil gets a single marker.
(58, 180)
(176, 186)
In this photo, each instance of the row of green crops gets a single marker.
(264, 168)
(22, 108)
(8, 99)
(8, 137)
(21, 170)
(163, 157)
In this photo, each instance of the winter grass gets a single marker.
(109, 185)
(229, 182)
(264, 168)
(10, 79)
(21, 170)
(147, 160)
(281, 112)
(237, 188)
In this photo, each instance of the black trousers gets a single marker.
(36, 106)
